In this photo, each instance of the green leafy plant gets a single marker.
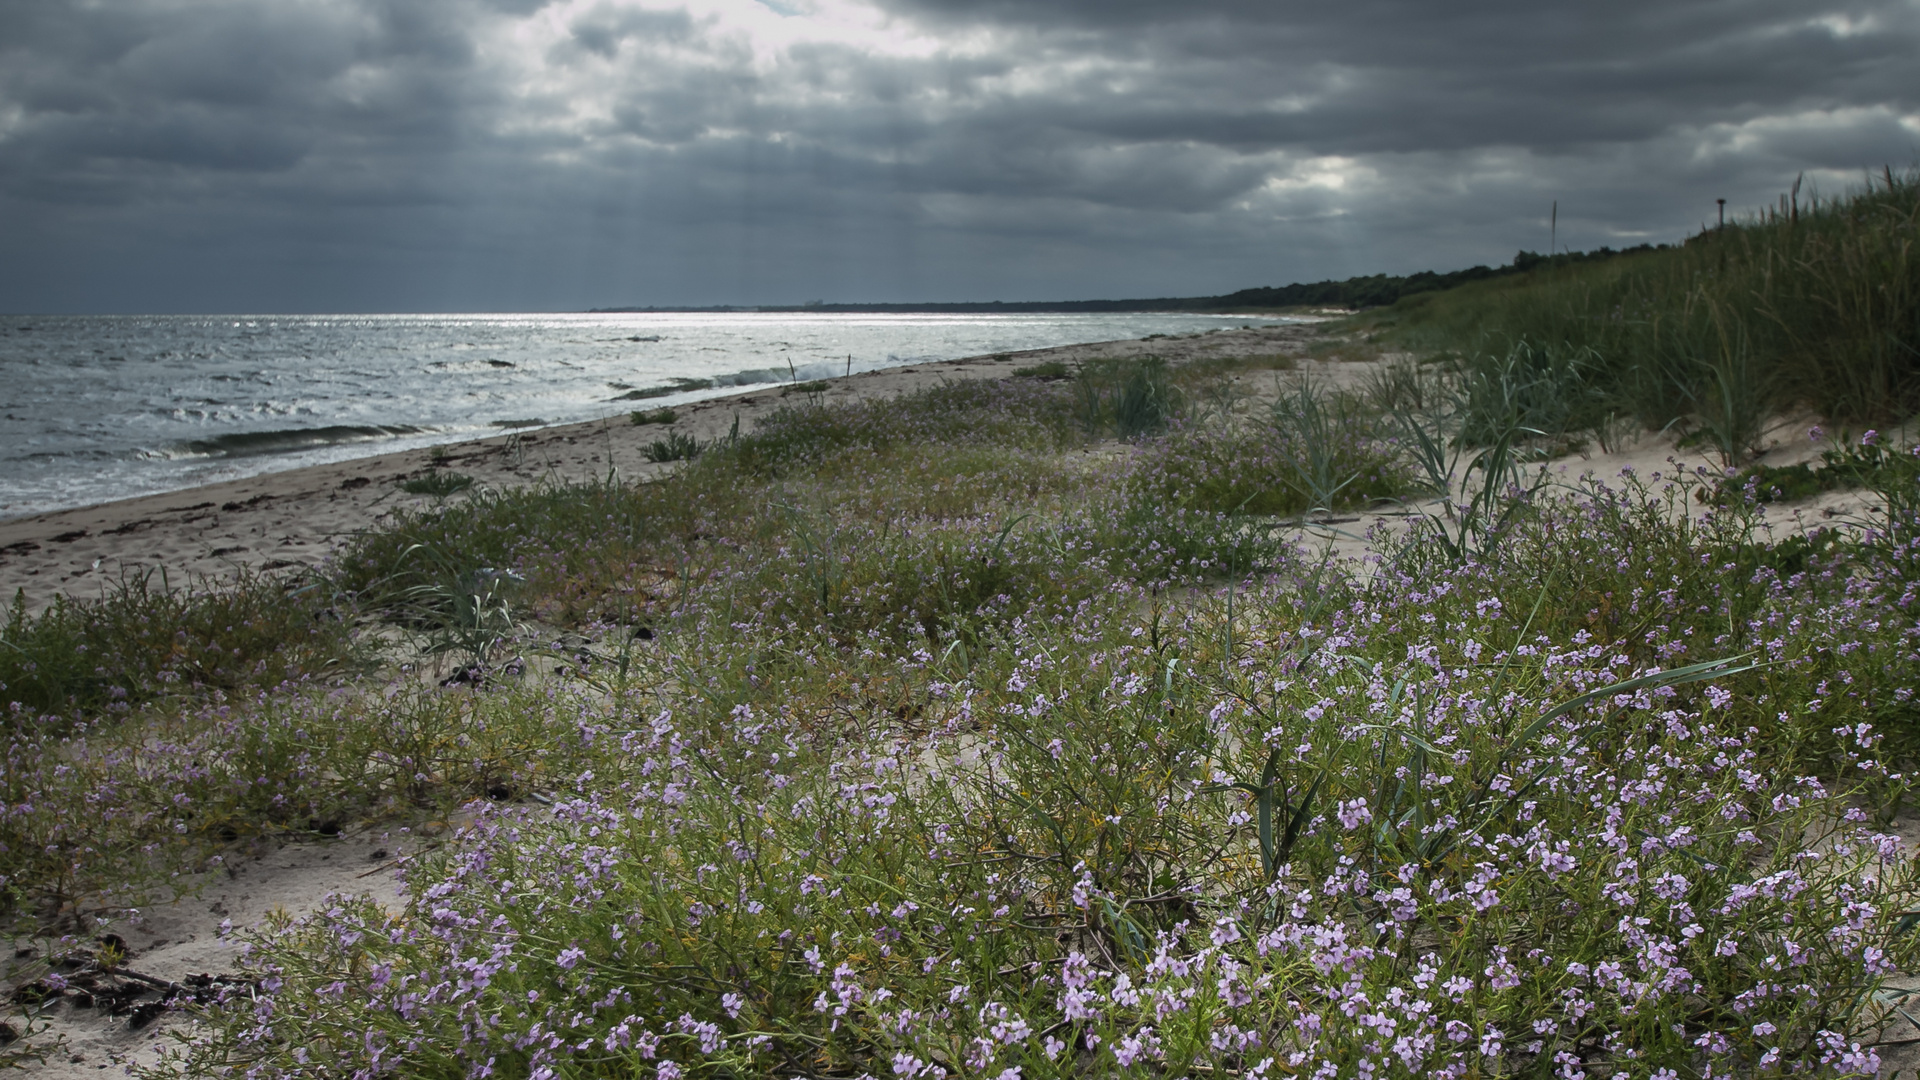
(438, 483)
(676, 446)
(470, 616)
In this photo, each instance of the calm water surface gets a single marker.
(94, 408)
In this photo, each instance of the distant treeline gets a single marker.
(1380, 290)
(1376, 290)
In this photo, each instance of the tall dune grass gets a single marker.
(1812, 303)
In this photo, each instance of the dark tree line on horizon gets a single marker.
(1355, 293)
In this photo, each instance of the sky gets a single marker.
(525, 155)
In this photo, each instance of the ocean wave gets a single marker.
(201, 399)
(284, 441)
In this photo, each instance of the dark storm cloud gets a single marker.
(1396, 78)
(466, 153)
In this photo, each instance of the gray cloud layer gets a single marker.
(467, 154)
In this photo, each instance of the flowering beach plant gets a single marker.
(1411, 830)
(1057, 880)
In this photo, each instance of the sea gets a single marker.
(95, 408)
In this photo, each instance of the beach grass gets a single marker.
(1047, 369)
(1814, 304)
(146, 638)
(675, 446)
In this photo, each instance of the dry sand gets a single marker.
(173, 942)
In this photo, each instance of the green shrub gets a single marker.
(552, 533)
(1017, 414)
(1046, 370)
(1192, 372)
(1313, 453)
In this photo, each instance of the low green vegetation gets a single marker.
(145, 639)
(1048, 369)
(1015, 728)
(438, 483)
(654, 416)
(1130, 398)
(922, 766)
(1202, 369)
(1308, 452)
(1867, 463)
(675, 446)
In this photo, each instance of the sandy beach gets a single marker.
(295, 519)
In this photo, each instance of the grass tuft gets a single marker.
(676, 446)
(145, 639)
(1130, 397)
(1046, 370)
(437, 483)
